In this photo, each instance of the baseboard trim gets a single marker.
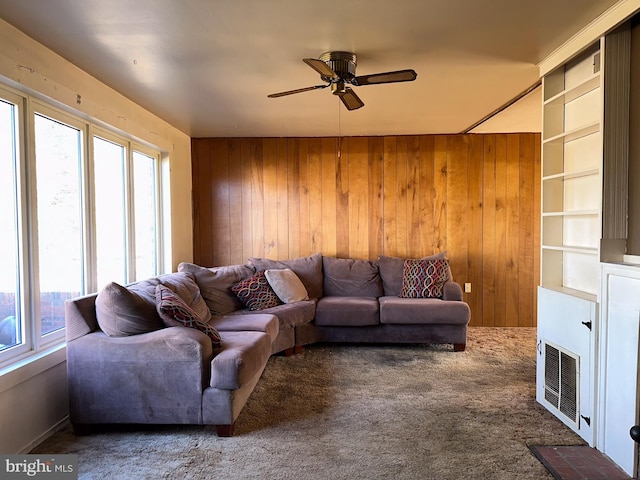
(41, 438)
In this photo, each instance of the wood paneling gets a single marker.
(475, 196)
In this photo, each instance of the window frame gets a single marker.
(41, 342)
(34, 345)
(22, 350)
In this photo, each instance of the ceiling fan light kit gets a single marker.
(338, 69)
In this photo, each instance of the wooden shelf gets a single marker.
(574, 134)
(572, 249)
(574, 293)
(574, 174)
(570, 213)
(571, 94)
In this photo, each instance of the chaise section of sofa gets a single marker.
(144, 372)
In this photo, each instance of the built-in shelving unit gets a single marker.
(572, 176)
(585, 138)
(587, 314)
(572, 172)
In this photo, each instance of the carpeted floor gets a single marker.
(356, 412)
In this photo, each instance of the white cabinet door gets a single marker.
(566, 323)
(619, 359)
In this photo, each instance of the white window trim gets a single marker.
(39, 353)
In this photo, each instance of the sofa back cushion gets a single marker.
(391, 271)
(308, 269)
(347, 277)
(215, 285)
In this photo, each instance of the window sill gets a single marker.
(31, 366)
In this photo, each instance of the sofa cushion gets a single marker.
(175, 312)
(289, 314)
(424, 278)
(391, 269)
(308, 269)
(256, 293)
(396, 310)
(287, 285)
(181, 283)
(256, 322)
(121, 312)
(215, 285)
(347, 311)
(243, 355)
(347, 277)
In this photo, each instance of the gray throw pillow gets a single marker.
(121, 312)
(287, 285)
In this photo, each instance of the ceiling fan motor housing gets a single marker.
(343, 63)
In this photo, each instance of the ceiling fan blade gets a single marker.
(350, 99)
(322, 68)
(386, 77)
(298, 90)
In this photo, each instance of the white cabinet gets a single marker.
(566, 359)
(619, 360)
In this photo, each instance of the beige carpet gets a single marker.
(356, 412)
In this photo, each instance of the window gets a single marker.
(127, 214)
(109, 174)
(58, 228)
(10, 319)
(146, 213)
(80, 208)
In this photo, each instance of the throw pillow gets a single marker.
(286, 285)
(391, 269)
(256, 293)
(424, 278)
(174, 311)
(122, 312)
(183, 284)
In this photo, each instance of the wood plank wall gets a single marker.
(475, 196)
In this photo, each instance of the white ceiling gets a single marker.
(206, 66)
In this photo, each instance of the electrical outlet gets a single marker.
(467, 288)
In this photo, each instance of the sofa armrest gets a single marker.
(452, 291)
(167, 345)
(155, 377)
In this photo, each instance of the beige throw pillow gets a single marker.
(288, 287)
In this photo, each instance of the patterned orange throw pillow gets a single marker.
(175, 312)
(256, 293)
(424, 278)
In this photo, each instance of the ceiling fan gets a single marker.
(339, 69)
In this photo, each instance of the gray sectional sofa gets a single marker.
(131, 361)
